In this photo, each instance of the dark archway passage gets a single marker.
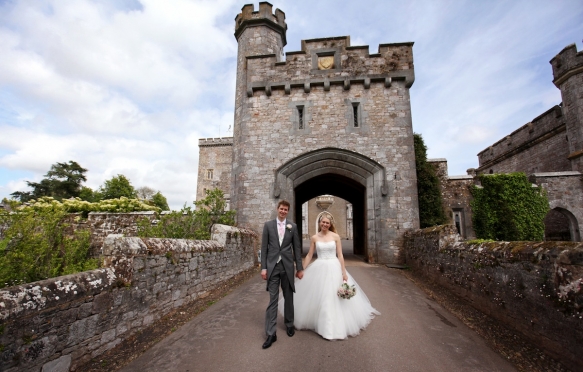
(351, 176)
(342, 187)
(562, 225)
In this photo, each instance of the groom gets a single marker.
(280, 247)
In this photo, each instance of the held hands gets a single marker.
(264, 274)
(300, 274)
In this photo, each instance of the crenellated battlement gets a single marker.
(567, 63)
(264, 17)
(540, 129)
(331, 61)
(221, 141)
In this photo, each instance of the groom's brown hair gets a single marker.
(285, 203)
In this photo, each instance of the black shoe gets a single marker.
(291, 331)
(270, 340)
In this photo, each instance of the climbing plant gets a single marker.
(430, 206)
(508, 207)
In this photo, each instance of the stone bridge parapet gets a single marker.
(531, 287)
(61, 323)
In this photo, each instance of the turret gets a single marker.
(568, 77)
(258, 33)
(249, 18)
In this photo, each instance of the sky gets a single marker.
(129, 86)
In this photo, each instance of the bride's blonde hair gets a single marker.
(329, 218)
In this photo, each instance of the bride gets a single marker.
(316, 304)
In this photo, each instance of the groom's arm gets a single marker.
(297, 243)
(264, 240)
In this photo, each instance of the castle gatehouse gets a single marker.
(330, 119)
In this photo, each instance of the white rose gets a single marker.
(289, 226)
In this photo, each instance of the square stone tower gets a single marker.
(215, 157)
(330, 119)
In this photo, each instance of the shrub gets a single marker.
(35, 247)
(190, 223)
(508, 207)
(76, 205)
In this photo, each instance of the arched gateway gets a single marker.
(338, 172)
(330, 119)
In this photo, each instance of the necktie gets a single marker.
(281, 230)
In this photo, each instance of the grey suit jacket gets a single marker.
(290, 249)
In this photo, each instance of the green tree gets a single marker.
(88, 194)
(62, 181)
(117, 187)
(211, 210)
(160, 201)
(429, 194)
(507, 207)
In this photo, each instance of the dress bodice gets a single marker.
(326, 250)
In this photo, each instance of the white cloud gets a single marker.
(128, 87)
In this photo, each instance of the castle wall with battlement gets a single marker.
(538, 146)
(352, 65)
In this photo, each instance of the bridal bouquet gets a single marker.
(346, 291)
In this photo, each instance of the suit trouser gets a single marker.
(277, 277)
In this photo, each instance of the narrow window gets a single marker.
(300, 117)
(355, 114)
(209, 174)
(458, 219)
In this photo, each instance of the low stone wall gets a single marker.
(61, 323)
(102, 224)
(531, 287)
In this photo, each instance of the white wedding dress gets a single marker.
(317, 305)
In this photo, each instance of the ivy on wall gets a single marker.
(430, 206)
(507, 207)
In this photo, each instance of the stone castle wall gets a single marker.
(61, 323)
(531, 287)
(456, 197)
(565, 194)
(214, 165)
(539, 146)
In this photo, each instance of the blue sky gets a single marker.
(128, 87)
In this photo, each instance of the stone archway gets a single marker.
(346, 174)
(561, 224)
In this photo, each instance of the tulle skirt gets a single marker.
(317, 306)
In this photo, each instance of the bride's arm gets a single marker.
(308, 257)
(340, 257)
